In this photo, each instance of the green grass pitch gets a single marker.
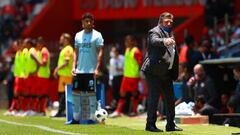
(12, 125)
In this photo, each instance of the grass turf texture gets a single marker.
(117, 126)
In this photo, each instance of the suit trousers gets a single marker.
(156, 86)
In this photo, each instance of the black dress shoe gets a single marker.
(173, 128)
(153, 128)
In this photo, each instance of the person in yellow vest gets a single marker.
(25, 64)
(131, 76)
(30, 100)
(22, 68)
(43, 75)
(19, 76)
(64, 71)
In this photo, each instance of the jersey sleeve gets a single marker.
(45, 55)
(138, 56)
(68, 54)
(76, 42)
(100, 41)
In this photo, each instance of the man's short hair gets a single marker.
(118, 49)
(132, 39)
(30, 41)
(67, 36)
(40, 40)
(87, 15)
(165, 15)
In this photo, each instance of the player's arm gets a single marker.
(138, 57)
(45, 56)
(66, 62)
(33, 56)
(100, 44)
(75, 58)
(99, 60)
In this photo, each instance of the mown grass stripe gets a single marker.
(40, 127)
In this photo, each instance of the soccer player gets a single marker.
(19, 75)
(63, 71)
(86, 67)
(43, 76)
(30, 100)
(131, 77)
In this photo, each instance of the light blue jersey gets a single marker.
(87, 44)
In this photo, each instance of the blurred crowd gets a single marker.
(15, 15)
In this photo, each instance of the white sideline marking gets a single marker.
(40, 127)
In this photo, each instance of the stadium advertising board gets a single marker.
(126, 9)
(118, 4)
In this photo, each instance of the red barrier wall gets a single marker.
(64, 16)
(55, 18)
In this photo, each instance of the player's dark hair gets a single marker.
(118, 49)
(133, 38)
(30, 42)
(40, 40)
(87, 15)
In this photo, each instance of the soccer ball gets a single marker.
(101, 115)
(140, 109)
(55, 104)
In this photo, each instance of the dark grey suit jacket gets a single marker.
(157, 59)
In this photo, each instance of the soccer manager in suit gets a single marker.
(161, 69)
